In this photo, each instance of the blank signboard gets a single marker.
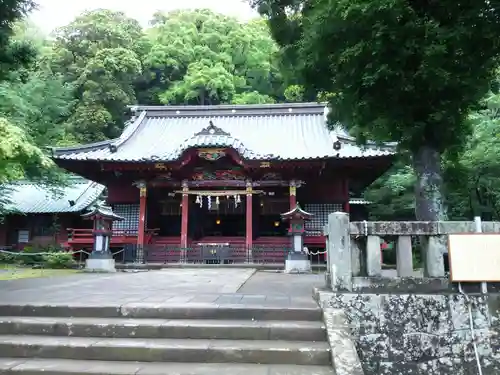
(474, 257)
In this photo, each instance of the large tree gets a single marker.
(409, 71)
(99, 55)
(201, 57)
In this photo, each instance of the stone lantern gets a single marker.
(101, 260)
(297, 260)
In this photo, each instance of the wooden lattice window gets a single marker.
(130, 212)
(315, 226)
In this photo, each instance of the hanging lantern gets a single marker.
(209, 202)
(217, 201)
(199, 200)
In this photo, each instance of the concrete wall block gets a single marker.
(404, 256)
(373, 256)
(433, 248)
(421, 334)
(356, 254)
(419, 228)
(339, 251)
(345, 360)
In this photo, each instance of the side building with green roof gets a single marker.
(39, 215)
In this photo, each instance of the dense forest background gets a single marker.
(75, 84)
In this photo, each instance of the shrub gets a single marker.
(30, 257)
(59, 260)
(6, 258)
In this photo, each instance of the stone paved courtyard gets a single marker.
(169, 286)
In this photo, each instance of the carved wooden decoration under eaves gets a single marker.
(211, 154)
(230, 174)
(271, 176)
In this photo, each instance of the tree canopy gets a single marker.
(391, 70)
(395, 70)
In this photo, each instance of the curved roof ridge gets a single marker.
(204, 108)
(221, 139)
(128, 132)
(85, 147)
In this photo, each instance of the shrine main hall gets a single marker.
(185, 176)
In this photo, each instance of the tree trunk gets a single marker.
(429, 203)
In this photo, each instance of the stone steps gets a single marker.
(164, 328)
(156, 311)
(166, 350)
(15, 366)
(199, 339)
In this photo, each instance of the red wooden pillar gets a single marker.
(184, 215)
(141, 230)
(346, 195)
(293, 197)
(293, 194)
(249, 216)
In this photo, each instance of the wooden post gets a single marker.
(293, 194)
(141, 230)
(249, 215)
(293, 200)
(184, 215)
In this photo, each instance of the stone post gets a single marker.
(404, 256)
(339, 252)
(373, 256)
(433, 248)
(355, 257)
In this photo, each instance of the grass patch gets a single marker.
(11, 272)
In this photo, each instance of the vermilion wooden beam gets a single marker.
(141, 230)
(184, 215)
(249, 216)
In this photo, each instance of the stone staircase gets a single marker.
(153, 340)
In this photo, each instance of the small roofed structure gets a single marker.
(297, 260)
(297, 213)
(100, 259)
(101, 211)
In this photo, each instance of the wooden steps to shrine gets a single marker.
(167, 340)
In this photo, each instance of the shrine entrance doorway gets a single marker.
(217, 217)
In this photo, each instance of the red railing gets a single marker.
(123, 236)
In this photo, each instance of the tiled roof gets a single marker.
(29, 197)
(350, 149)
(258, 132)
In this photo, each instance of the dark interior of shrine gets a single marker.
(223, 217)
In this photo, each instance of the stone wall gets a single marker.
(420, 334)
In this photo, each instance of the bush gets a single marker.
(58, 260)
(29, 256)
(6, 258)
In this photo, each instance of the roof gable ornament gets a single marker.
(211, 129)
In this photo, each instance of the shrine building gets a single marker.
(186, 176)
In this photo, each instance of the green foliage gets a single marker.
(18, 155)
(395, 70)
(472, 182)
(30, 256)
(199, 57)
(59, 260)
(13, 54)
(392, 194)
(6, 258)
